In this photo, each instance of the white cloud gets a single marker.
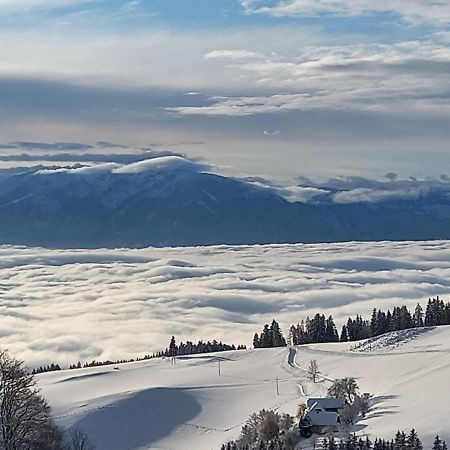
(145, 58)
(162, 163)
(378, 196)
(411, 10)
(389, 78)
(22, 5)
(66, 305)
(157, 164)
(232, 54)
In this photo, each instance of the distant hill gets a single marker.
(171, 201)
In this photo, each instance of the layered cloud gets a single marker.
(363, 190)
(379, 78)
(64, 306)
(411, 10)
(277, 84)
(24, 5)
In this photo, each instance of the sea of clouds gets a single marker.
(69, 305)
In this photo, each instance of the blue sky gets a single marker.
(263, 87)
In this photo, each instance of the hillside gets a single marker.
(158, 405)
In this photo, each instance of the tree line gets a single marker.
(189, 348)
(323, 329)
(401, 441)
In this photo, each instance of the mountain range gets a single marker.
(172, 201)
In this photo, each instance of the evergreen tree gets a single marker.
(437, 445)
(374, 325)
(265, 339)
(344, 334)
(256, 343)
(413, 441)
(400, 441)
(418, 316)
(173, 349)
(317, 329)
(277, 339)
(331, 334)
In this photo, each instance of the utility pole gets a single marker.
(278, 391)
(219, 368)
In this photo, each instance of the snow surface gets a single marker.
(61, 306)
(188, 406)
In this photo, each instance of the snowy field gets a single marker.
(188, 406)
(67, 305)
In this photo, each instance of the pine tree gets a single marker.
(265, 339)
(317, 328)
(418, 316)
(344, 334)
(277, 339)
(413, 441)
(437, 445)
(331, 334)
(173, 350)
(374, 325)
(400, 441)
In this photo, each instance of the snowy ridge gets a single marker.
(189, 406)
(389, 341)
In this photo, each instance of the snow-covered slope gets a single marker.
(188, 406)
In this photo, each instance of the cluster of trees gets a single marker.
(189, 348)
(94, 363)
(108, 362)
(315, 330)
(401, 441)
(266, 430)
(322, 329)
(437, 313)
(25, 419)
(49, 368)
(271, 336)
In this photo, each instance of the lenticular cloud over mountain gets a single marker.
(69, 305)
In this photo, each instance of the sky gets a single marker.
(275, 88)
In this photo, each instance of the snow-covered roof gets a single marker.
(326, 403)
(319, 417)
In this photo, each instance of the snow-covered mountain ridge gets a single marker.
(189, 406)
(170, 200)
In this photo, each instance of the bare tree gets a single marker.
(346, 388)
(78, 441)
(313, 370)
(301, 411)
(25, 421)
(269, 428)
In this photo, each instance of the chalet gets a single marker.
(323, 413)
